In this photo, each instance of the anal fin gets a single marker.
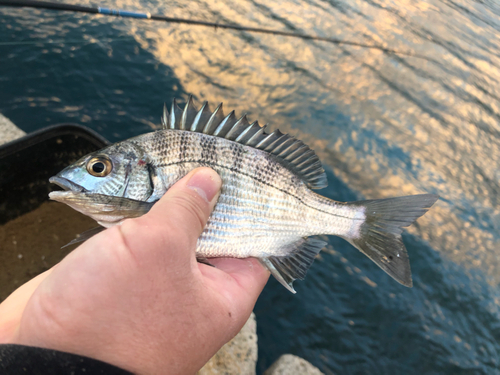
(294, 266)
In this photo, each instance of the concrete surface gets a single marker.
(8, 131)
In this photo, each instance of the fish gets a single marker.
(266, 209)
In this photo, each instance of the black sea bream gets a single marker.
(266, 209)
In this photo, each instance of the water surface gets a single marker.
(383, 125)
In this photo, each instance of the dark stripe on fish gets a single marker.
(183, 146)
(237, 151)
(208, 149)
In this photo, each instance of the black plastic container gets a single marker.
(32, 229)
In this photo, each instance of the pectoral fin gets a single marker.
(84, 236)
(204, 261)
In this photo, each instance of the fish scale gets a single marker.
(266, 208)
(251, 182)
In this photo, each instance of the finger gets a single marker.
(179, 217)
(12, 307)
(245, 279)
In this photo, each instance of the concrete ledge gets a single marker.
(289, 364)
(238, 356)
(8, 131)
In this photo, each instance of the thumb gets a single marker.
(179, 217)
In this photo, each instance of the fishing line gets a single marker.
(153, 17)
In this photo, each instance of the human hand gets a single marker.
(134, 295)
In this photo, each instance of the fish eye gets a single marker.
(99, 166)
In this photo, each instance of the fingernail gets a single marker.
(206, 182)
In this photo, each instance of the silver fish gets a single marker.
(266, 209)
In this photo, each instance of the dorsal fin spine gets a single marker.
(172, 114)
(242, 123)
(254, 128)
(196, 121)
(259, 145)
(221, 131)
(164, 119)
(273, 137)
(205, 115)
(244, 133)
(212, 121)
(256, 136)
(185, 113)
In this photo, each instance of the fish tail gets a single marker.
(379, 235)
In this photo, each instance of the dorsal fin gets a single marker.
(289, 151)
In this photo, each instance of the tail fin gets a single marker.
(380, 235)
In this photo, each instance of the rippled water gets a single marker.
(383, 125)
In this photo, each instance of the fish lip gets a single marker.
(66, 184)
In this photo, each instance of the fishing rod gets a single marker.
(154, 17)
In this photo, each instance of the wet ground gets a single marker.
(32, 243)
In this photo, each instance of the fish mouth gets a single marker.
(67, 185)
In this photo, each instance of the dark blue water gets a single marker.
(383, 125)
